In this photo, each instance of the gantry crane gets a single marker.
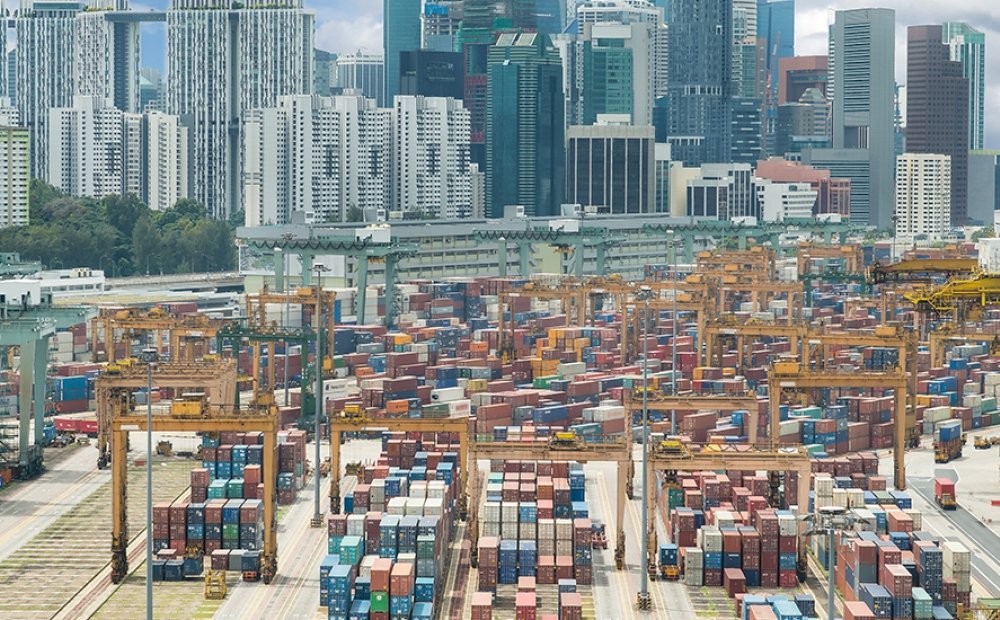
(671, 456)
(689, 402)
(938, 338)
(352, 418)
(726, 328)
(188, 415)
(184, 331)
(569, 291)
(920, 270)
(631, 328)
(851, 255)
(304, 297)
(615, 450)
(792, 376)
(114, 386)
(963, 297)
(759, 260)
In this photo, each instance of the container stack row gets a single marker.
(201, 528)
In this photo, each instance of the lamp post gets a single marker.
(644, 602)
(149, 357)
(319, 268)
(829, 520)
(673, 330)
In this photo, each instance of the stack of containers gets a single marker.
(957, 568)
(216, 524)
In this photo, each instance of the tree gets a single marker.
(355, 214)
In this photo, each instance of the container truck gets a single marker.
(948, 441)
(944, 493)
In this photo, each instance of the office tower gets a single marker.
(744, 137)
(633, 12)
(833, 195)
(15, 177)
(550, 16)
(168, 160)
(937, 109)
(46, 49)
(984, 184)
(803, 123)
(923, 195)
(796, 74)
(363, 73)
(618, 66)
(431, 158)
(779, 201)
(862, 65)
(431, 73)
(324, 73)
(721, 191)
(439, 23)
(699, 80)
(525, 125)
(315, 158)
(476, 37)
(744, 54)
(610, 167)
(776, 26)
(95, 149)
(273, 44)
(150, 89)
(968, 46)
(400, 33)
(106, 63)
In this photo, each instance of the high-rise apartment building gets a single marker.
(168, 160)
(430, 147)
(106, 62)
(699, 80)
(364, 74)
(46, 52)
(611, 167)
(937, 109)
(923, 195)
(15, 177)
(862, 65)
(400, 33)
(968, 46)
(95, 149)
(315, 155)
(525, 146)
(224, 57)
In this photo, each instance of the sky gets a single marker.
(346, 26)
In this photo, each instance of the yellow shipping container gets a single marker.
(476, 385)
(400, 339)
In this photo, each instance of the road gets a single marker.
(31, 507)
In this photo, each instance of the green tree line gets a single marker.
(121, 235)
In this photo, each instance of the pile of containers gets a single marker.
(202, 528)
(775, 607)
(232, 463)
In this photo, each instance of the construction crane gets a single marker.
(209, 419)
(114, 386)
(353, 418)
(671, 456)
(185, 332)
(616, 450)
(792, 377)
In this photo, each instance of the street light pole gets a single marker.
(673, 348)
(149, 357)
(644, 602)
(317, 520)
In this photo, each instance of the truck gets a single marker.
(944, 493)
(948, 441)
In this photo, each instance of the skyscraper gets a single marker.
(699, 80)
(937, 109)
(106, 62)
(168, 160)
(862, 92)
(273, 43)
(968, 46)
(46, 49)
(611, 167)
(14, 175)
(364, 73)
(776, 26)
(400, 33)
(618, 66)
(525, 162)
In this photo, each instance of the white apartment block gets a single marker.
(781, 201)
(313, 155)
(273, 42)
(923, 195)
(94, 149)
(431, 157)
(46, 49)
(15, 144)
(167, 160)
(106, 60)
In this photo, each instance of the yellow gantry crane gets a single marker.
(937, 340)
(851, 255)
(744, 335)
(192, 415)
(118, 325)
(257, 307)
(759, 260)
(114, 386)
(570, 291)
(689, 402)
(632, 311)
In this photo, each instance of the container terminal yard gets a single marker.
(737, 432)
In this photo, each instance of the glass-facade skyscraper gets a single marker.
(968, 46)
(400, 33)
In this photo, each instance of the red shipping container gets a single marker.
(482, 606)
(525, 606)
(381, 571)
(734, 581)
(570, 606)
(856, 610)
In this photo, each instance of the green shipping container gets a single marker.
(231, 531)
(675, 498)
(996, 418)
(380, 602)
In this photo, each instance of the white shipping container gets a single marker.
(865, 522)
(956, 557)
(418, 488)
(823, 486)
(415, 506)
(546, 529)
(918, 518)
(508, 512)
(447, 395)
(355, 525)
(491, 512)
(458, 408)
(564, 529)
(855, 498)
(694, 558)
(527, 531)
(377, 491)
(693, 577)
(366, 565)
(546, 546)
(509, 530)
(711, 539)
(787, 526)
(564, 547)
(491, 529)
(433, 507)
(397, 506)
(437, 489)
